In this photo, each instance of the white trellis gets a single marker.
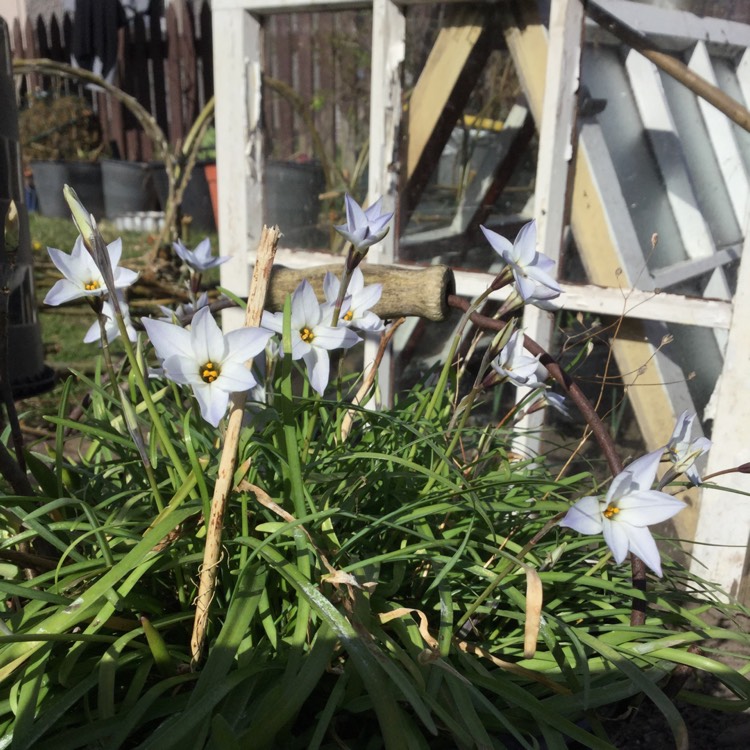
(607, 229)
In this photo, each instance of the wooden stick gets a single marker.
(212, 554)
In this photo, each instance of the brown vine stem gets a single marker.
(597, 427)
(215, 523)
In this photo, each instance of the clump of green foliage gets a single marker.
(380, 586)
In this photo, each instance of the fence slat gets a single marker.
(158, 54)
(282, 134)
(138, 56)
(188, 80)
(204, 52)
(32, 50)
(176, 124)
(172, 74)
(304, 72)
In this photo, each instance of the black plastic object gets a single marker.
(27, 372)
(196, 200)
(83, 176)
(128, 187)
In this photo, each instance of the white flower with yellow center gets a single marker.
(211, 363)
(312, 339)
(625, 513)
(355, 307)
(82, 276)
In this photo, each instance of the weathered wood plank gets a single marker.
(609, 247)
(722, 138)
(388, 51)
(724, 519)
(557, 147)
(666, 146)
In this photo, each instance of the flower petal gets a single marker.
(524, 284)
(642, 545)
(244, 343)
(272, 321)
(644, 469)
(168, 339)
(115, 251)
(616, 537)
(212, 401)
(124, 277)
(207, 339)
(524, 248)
(366, 297)
(305, 306)
(234, 378)
(318, 369)
(63, 291)
(327, 337)
(183, 370)
(499, 244)
(355, 216)
(647, 507)
(331, 286)
(585, 516)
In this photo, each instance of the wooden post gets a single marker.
(723, 526)
(388, 49)
(556, 156)
(239, 141)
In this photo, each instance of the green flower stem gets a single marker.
(140, 380)
(295, 476)
(346, 275)
(101, 318)
(503, 279)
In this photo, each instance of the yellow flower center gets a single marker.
(306, 334)
(209, 372)
(349, 315)
(92, 286)
(611, 510)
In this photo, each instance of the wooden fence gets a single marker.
(166, 63)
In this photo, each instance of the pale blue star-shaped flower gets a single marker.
(512, 363)
(82, 276)
(199, 259)
(530, 268)
(683, 452)
(210, 362)
(625, 513)
(312, 337)
(363, 228)
(355, 307)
